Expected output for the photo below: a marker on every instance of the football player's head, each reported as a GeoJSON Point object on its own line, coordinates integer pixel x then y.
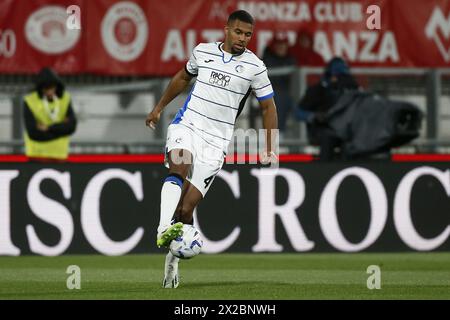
{"type": "Point", "coordinates": [238, 31]}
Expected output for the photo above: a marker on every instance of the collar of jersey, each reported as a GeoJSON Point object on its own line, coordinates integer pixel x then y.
{"type": "Point", "coordinates": [232, 55]}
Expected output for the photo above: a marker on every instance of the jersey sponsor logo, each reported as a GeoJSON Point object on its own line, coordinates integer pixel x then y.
{"type": "Point", "coordinates": [125, 31]}
{"type": "Point", "coordinates": [46, 30]}
{"type": "Point", "coordinates": [208, 61]}
{"type": "Point", "coordinates": [219, 79]}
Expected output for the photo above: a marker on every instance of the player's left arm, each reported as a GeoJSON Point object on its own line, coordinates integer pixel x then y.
{"type": "Point", "coordinates": [263, 90]}
{"type": "Point", "coordinates": [270, 123]}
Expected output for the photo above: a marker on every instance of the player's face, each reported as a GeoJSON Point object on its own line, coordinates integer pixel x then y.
{"type": "Point", "coordinates": [237, 36]}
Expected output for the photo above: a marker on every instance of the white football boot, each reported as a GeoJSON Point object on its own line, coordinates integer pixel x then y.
{"type": "Point", "coordinates": [171, 279]}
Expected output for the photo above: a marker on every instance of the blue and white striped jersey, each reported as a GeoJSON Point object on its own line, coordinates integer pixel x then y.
{"type": "Point", "coordinates": [224, 82]}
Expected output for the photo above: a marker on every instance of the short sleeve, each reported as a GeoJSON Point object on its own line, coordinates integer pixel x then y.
{"type": "Point", "coordinates": [261, 85]}
{"type": "Point", "coordinates": [191, 65]}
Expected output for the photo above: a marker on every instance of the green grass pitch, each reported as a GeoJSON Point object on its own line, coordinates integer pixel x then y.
{"type": "Point", "coordinates": [230, 276]}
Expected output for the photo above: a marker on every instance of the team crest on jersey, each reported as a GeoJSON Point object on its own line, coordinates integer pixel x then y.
{"type": "Point", "coordinates": [239, 68]}
{"type": "Point", "coordinates": [219, 79]}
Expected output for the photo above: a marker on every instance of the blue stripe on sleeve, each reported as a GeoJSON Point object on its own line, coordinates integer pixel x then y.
{"type": "Point", "coordinates": [270, 95]}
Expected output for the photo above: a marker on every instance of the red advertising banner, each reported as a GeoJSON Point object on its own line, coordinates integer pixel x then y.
{"type": "Point", "coordinates": [34, 34]}
{"type": "Point", "coordinates": [150, 37]}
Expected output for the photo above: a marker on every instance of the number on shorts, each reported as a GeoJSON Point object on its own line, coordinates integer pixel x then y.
{"type": "Point", "coordinates": [208, 180]}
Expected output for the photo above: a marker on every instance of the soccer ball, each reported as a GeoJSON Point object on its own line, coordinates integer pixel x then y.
{"type": "Point", "coordinates": [188, 245]}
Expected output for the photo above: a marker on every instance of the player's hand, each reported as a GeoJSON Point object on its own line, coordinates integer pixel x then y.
{"type": "Point", "coordinates": [269, 157]}
{"type": "Point", "coordinates": [152, 119]}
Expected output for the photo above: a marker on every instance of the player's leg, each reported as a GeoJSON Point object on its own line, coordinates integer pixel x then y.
{"type": "Point", "coordinates": [179, 161]}
{"type": "Point", "coordinates": [189, 200]}
{"type": "Point", "coordinates": [174, 186]}
{"type": "Point", "coordinates": [179, 157]}
{"type": "Point", "coordinates": [171, 277]}
{"type": "Point", "coordinates": [195, 189]}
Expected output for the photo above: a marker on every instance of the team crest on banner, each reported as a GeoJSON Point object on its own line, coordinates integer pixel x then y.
{"type": "Point", "coordinates": [124, 31]}
{"type": "Point", "coordinates": [46, 30]}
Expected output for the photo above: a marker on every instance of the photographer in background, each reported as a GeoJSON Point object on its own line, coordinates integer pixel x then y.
{"type": "Point", "coordinates": [318, 99]}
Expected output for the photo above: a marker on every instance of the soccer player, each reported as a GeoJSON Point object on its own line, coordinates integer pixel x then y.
{"type": "Point", "coordinates": [198, 137]}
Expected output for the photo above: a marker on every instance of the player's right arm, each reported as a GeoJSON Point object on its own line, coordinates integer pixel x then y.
{"type": "Point", "coordinates": [177, 85]}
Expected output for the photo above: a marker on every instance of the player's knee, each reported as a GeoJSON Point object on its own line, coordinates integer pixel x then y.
{"type": "Point", "coordinates": [180, 171]}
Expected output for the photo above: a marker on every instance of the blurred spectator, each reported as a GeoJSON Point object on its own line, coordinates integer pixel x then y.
{"type": "Point", "coordinates": [303, 50]}
{"type": "Point", "coordinates": [318, 99]}
{"type": "Point", "coordinates": [276, 55]}
{"type": "Point", "coordinates": [49, 119]}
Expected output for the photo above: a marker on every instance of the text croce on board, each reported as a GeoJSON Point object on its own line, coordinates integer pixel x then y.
{"type": "Point", "coordinates": [288, 213]}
